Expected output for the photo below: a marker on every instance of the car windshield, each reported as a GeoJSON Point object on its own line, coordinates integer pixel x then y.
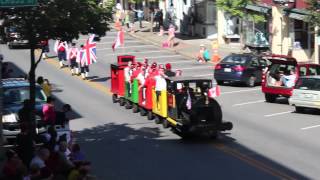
{"type": "Point", "coordinates": [236, 59]}
{"type": "Point", "coordinates": [281, 68]}
{"type": "Point", "coordinates": [308, 84]}
{"type": "Point", "coordinates": [18, 95]}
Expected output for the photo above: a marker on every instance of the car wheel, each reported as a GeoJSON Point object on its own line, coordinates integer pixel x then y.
{"type": "Point", "coordinates": [299, 109]}
{"type": "Point", "coordinates": [270, 98]}
{"type": "Point", "coordinates": [219, 82]}
{"type": "Point", "coordinates": [251, 81]}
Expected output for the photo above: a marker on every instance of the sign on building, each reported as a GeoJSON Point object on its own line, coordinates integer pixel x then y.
{"type": "Point", "coordinates": [17, 3]}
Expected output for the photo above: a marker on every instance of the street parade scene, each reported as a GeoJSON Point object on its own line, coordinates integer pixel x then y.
{"type": "Point", "coordinates": [159, 89]}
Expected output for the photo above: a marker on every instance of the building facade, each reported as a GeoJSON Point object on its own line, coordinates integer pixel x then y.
{"type": "Point", "coordinates": [285, 30]}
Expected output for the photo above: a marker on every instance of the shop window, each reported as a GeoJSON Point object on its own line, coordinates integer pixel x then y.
{"type": "Point", "coordinates": [301, 34]}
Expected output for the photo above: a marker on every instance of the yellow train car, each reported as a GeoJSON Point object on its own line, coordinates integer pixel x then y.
{"type": "Point", "coordinates": [159, 105]}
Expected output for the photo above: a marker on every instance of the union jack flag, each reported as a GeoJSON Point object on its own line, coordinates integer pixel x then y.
{"type": "Point", "coordinates": [89, 54]}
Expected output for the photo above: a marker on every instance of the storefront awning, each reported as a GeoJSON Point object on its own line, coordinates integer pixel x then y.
{"type": "Point", "coordinates": [297, 14]}
{"type": "Point", "coordinates": [262, 9]}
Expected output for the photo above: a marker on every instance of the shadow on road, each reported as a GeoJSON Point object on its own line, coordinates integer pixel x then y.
{"type": "Point", "coordinates": [99, 79]}
{"type": "Point", "coordinates": [121, 151]}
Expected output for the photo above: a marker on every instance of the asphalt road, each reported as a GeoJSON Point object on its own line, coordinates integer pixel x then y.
{"type": "Point", "coordinates": [269, 141]}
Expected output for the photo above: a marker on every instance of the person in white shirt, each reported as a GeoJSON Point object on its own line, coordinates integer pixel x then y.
{"type": "Point", "coordinates": [161, 84]}
{"type": "Point", "coordinates": [142, 78]}
{"type": "Point", "coordinates": [127, 76]}
{"type": "Point", "coordinates": [289, 80]}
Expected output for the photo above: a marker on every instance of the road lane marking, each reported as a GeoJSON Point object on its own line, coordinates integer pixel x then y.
{"type": "Point", "coordinates": [310, 127]}
{"type": "Point", "coordinates": [277, 114]}
{"type": "Point", "coordinates": [147, 45]}
{"type": "Point", "coordinates": [240, 91]}
{"type": "Point", "coordinates": [197, 67]}
{"type": "Point", "coordinates": [129, 41]}
{"type": "Point", "coordinates": [132, 52]}
{"type": "Point", "coordinates": [250, 102]}
{"type": "Point", "coordinates": [156, 57]}
{"type": "Point", "coordinates": [253, 162]}
{"type": "Point", "coordinates": [95, 85]}
{"type": "Point", "coordinates": [203, 75]}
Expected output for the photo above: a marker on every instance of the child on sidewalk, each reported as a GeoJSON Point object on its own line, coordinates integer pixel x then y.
{"type": "Point", "coordinates": [203, 55]}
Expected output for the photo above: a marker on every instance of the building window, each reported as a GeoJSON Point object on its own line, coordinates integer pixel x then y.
{"type": "Point", "coordinates": [301, 34]}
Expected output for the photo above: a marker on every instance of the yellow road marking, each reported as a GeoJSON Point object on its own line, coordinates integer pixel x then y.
{"type": "Point", "coordinates": [95, 85]}
{"type": "Point", "coordinates": [227, 150]}
{"type": "Point", "coordinates": [257, 164]}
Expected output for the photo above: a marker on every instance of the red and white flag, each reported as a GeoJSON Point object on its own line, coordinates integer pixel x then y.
{"type": "Point", "coordinates": [214, 91]}
{"type": "Point", "coordinates": [189, 103]}
{"type": "Point", "coordinates": [88, 55]}
{"type": "Point", "coordinates": [119, 41]}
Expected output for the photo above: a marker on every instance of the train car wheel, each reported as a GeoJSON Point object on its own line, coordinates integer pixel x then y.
{"type": "Point", "coordinates": [143, 112]}
{"type": "Point", "coordinates": [150, 115]}
{"type": "Point", "coordinates": [128, 104]}
{"type": "Point", "coordinates": [114, 98]}
{"type": "Point", "coordinates": [165, 124]}
{"type": "Point", "coordinates": [158, 120]}
{"type": "Point", "coordinates": [122, 102]}
{"type": "Point", "coordinates": [135, 108]}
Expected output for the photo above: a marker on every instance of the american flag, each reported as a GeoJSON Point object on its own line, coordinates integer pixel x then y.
{"type": "Point", "coordinates": [89, 55]}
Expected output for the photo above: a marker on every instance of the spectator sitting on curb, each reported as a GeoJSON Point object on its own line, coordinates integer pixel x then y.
{"type": "Point", "coordinates": [13, 167]}
{"type": "Point", "coordinates": [203, 55]}
{"type": "Point", "coordinates": [76, 154]}
{"type": "Point", "coordinates": [39, 160]}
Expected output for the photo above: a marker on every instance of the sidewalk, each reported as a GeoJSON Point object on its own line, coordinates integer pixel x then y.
{"type": "Point", "coordinates": [186, 45]}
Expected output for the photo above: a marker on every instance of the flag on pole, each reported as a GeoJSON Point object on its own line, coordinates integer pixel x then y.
{"type": "Point", "coordinates": [214, 91]}
{"type": "Point", "coordinates": [89, 53]}
{"type": "Point", "coordinates": [119, 41]}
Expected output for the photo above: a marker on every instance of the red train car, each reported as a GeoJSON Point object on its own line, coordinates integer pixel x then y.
{"type": "Point", "coordinates": [118, 79]}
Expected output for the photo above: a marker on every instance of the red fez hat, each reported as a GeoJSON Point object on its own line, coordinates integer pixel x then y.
{"type": "Point", "coordinates": [168, 66]}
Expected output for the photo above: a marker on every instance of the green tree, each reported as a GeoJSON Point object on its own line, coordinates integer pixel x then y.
{"type": "Point", "coordinates": [58, 19]}
{"type": "Point", "coordinates": [314, 12]}
{"type": "Point", "coordinates": [237, 8]}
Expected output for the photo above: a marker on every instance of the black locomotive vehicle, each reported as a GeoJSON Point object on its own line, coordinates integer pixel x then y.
{"type": "Point", "coordinates": [190, 109]}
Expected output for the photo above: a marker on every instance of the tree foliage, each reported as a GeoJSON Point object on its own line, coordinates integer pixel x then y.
{"type": "Point", "coordinates": [237, 8]}
{"type": "Point", "coordinates": [56, 19]}
{"type": "Point", "coordinates": [314, 12]}
{"type": "Point", "coordinates": [61, 19]}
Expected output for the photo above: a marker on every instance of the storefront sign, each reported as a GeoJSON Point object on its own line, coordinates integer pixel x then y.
{"type": "Point", "coordinates": [17, 3]}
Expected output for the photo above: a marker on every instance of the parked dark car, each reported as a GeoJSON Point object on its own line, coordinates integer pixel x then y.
{"type": "Point", "coordinates": [15, 91]}
{"type": "Point", "coordinates": [243, 68]}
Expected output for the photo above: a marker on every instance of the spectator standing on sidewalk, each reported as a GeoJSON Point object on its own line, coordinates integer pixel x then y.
{"type": "Point", "coordinates": [48, 111]}
{"type": "Point", "coordinates": [140, 16]}
{"type": "Point", "coordinates": [131, 14]}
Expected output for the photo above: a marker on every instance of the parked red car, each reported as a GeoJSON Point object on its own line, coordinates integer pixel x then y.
{"type": "Point", "coordinates": [282, 70]}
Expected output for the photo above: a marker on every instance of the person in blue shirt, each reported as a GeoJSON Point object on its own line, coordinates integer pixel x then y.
{"type": "Point", "coordinates": [140, 16]}
{"type": "Point", "coordinates": [203, 55]}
